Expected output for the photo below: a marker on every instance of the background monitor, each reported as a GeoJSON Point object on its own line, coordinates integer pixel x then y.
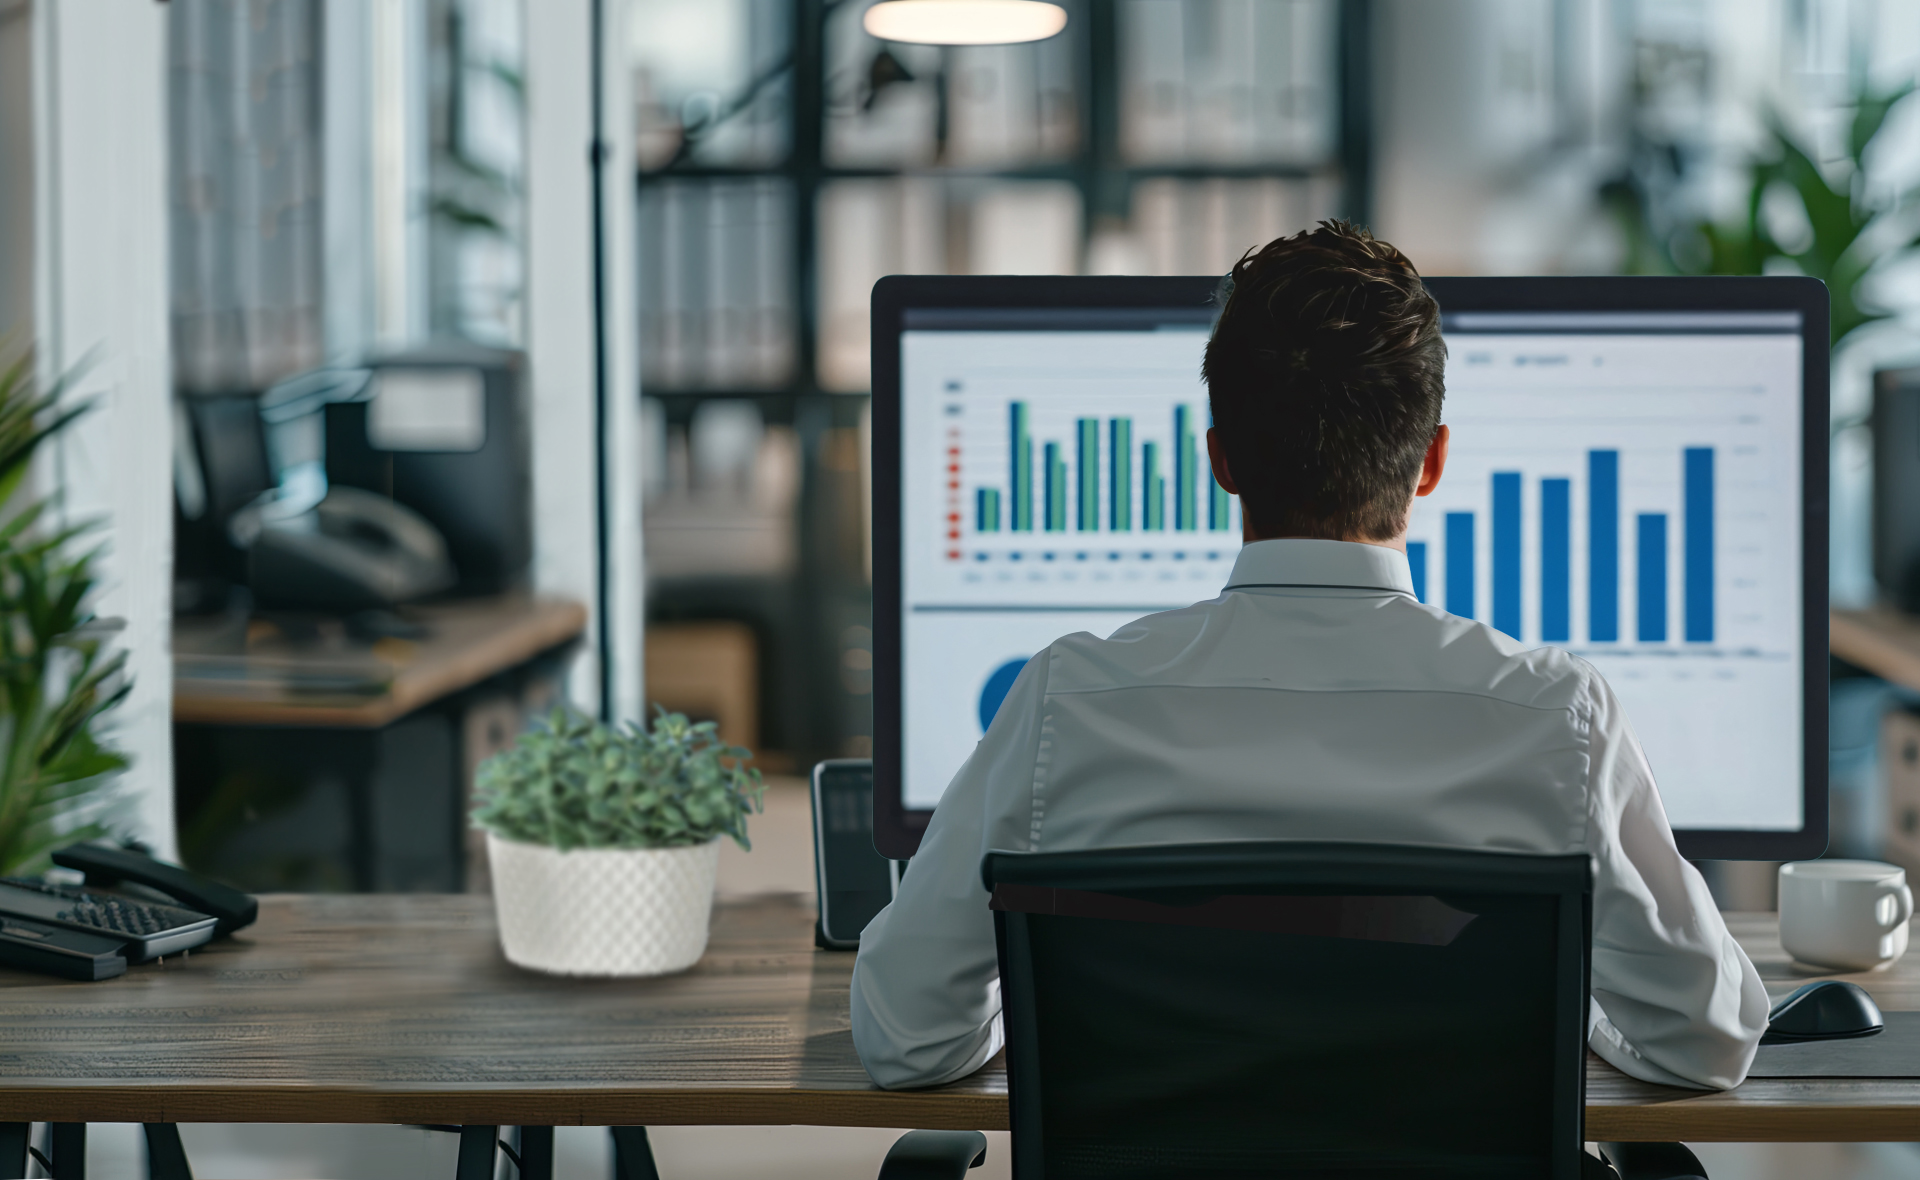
{"type": "Point", "coordinates": [1638, 474]}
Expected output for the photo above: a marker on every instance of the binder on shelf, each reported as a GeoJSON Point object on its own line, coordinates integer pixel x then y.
{"type": "Point", "coordinates": [716, 284]}
{"type": "Point", "coordinates": [1228, 81]}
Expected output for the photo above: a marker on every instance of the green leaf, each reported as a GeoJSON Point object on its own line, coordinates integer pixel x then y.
{"type": "Point", "coordinates": [57, 675]}
{"type": "Point", "coordinates": [1869, 115]}
{"type": "Point", "coordinates": [571, 782]}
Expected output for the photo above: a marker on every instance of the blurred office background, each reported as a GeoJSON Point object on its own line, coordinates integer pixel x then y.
{"type": "Point", "coordinates": [361, 212]}
{"type": "Point", "coordinates": [349, 185]}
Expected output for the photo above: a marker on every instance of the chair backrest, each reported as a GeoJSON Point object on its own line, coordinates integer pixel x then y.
{"type": "Point", "coordinates": [1293, 1009]}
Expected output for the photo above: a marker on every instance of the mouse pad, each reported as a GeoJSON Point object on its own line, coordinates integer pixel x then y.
{"type": "Point", "coordinates": [1892, 1053]}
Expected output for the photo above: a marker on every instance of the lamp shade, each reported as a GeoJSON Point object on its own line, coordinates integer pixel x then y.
{"type": "Point", "coordinates": [964, 22]}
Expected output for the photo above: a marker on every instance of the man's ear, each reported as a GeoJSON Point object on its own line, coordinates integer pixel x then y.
{"type": "Point", "coordinates": [1434, 464]}
{"type": "Point", "coordinates": [1217, 455]}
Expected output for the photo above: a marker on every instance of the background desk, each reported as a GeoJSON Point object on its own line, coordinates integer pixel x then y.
{"type": "Point", "coordinates": [318, 761]}
{"type": "Point", "coordinates": [1879, 639]}
{"type": "Point", "coordinates": [399, 1009]}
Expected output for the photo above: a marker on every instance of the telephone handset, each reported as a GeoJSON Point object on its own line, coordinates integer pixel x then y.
{"type": "Point", "coordinates": [107, 867]}
{"type": "Point", "coordinates": [131, 909]}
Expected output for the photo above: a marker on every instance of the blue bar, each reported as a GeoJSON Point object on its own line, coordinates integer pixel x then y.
{"type": "Point", "coordinates": [1556, 560]}
{"type": "Point", "coordinates": [1417, 562]}
{"type": "Point", "coordinates": [1460, 564]}
{"type": "Point", "coordinates": [1652, 595]}
{"type": "Point", "coordinates": [1603, 546]}
{"type": "Point", "coordinates": [1506, 552]}
{"type": "Point", "coordinates": [1699, 542]}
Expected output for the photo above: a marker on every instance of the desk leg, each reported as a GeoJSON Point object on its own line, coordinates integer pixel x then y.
{"type": "Point", "coordinates": [535, 1145]}
{"type": "Point", "coordinates": [13, 1149]}
{"type": "Point", "coordinates": [69, 1143]}
{"type": "Point", "coordinates": [166, 1155]}
{"type": "Point", "coordinates": [632, 1154]}
{"type": "Point", "coordinates": [476, 1153]}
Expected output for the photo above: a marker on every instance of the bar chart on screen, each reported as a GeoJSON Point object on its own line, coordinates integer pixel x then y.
{"type": "Point", "coordinates": [1082, 483]}
{"type": "Point", "coordinates": [1498, 537]}
{"type": "Point", "coordinates": [1611, 518]}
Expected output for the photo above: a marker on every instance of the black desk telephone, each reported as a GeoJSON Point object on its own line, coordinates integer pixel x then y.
{"type": "Point", "coordinates": [131, 909]}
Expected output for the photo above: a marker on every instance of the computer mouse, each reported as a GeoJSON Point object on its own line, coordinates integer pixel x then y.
{"type": "Point", "coordinates": [1825, 1011]}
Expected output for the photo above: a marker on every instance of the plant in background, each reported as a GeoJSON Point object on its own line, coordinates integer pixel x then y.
{"type": "Point", "coordinates": [1821, 221]}
{"type": "Point", "coordinates": [572, 782]}
{"type": "Point", "coordinates": [57, 674]}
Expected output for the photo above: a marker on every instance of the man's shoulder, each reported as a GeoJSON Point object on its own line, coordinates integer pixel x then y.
{"type": "Point", "coordinates": [1398, 645]}
{"type": "Point", "coordinates": [1473, 656]}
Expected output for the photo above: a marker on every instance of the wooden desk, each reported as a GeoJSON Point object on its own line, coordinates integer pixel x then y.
{"type": "Point", "coordinates": [399, 1009]}
{"type": "Point", "coordinates": [1769, 1110]}
{"type": "Point", "coordinates": [225, 676]}
{"type": "Point", "coordinates": [1880, 639]}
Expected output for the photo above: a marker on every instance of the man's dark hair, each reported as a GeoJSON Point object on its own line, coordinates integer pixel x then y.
{"type": "Point", "coordinates": [1326, 372]}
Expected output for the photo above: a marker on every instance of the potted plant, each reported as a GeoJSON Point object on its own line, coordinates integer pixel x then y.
{"type": "Point", "coordinates": [604, 841]}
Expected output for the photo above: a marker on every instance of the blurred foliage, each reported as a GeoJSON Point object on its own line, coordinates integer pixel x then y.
{"type": "Point", "coordinates": [1845, 232]}
{"type": "Point", "coordinates": [572, 782]}
{"type": "Point", "coordinates": [57, 674]}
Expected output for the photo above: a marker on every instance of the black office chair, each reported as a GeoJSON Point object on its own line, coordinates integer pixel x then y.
{"type": "Point", "coordinates": [1297, 1009]}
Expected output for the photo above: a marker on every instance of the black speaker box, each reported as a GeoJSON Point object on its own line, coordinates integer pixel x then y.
{"type": "Point", "coordinates": [478, 496]}
{"type": "Point", "coordinates": [854, 881]}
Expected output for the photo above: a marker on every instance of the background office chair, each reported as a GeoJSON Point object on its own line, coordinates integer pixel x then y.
{"type": "Point", "coordinates": [1295, 1009]}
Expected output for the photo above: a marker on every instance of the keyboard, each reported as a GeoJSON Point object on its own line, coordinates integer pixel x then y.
{"type": "Point", "coordinates": [147, 929]}
{"type": "Point", "coordinates": [52, 950]}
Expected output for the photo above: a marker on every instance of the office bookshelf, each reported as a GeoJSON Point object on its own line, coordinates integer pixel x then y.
{"type": "Point", "coordinates": [1152, 136]}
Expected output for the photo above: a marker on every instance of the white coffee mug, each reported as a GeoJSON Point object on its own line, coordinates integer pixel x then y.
{"type": "Point", "coordinates": [1845, 914]}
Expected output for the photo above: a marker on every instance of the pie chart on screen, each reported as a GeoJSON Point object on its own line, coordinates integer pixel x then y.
{"type": "Point", "coordinates": [996, 688]}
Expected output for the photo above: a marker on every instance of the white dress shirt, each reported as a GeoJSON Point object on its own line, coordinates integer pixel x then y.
{"type": "Point", "coordinates": [1314, 699]}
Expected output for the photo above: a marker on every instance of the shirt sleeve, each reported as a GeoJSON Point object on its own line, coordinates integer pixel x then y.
{"type": "Point", "coordinates": [926, 985]}
{"type": "Point", "coordinates": [1676, 1001]}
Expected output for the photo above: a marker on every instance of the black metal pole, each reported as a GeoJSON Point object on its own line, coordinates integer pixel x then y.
{"type": "Point", "coordinates": [597, 165]}
{"type": "Point", "coordinates": [1105, 182]}
{"type": "Point", "coordinates": [1356, 109]}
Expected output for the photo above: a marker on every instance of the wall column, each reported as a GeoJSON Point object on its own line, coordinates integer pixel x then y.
{"type": "Point", "coordinates": [100, 295]}
{"type": "Point", "coordinates": [581, 376]}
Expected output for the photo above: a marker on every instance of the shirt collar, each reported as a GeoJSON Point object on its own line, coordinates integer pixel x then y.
{"type": "Point", "coordinates": [1300, 562]}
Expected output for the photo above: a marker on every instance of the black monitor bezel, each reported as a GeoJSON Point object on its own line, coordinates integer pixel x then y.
{"type": "Point", "coordinates": [897, 830]}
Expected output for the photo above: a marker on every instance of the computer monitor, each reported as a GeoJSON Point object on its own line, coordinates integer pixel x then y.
{"type": "Point", "coordinates": [1638, 474]}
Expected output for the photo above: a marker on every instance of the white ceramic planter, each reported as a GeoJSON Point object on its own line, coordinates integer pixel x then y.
{"type": "Point", "coordinates": [625, 911]}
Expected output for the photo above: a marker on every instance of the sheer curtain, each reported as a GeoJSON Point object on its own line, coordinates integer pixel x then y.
{"type": "Point", "coordinates": [245, 186]}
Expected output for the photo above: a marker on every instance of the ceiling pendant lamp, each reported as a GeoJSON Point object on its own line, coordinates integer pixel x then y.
{"type": "Point", "coordinates": [964, 22]}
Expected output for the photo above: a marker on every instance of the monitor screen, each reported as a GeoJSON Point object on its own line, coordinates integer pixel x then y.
{"type": "Point", "coordinates": [1628, 484]}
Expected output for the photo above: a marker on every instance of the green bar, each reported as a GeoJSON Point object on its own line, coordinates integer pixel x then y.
{"type": "Point", "coordinates": [1153, 507]}
{"type": "Point", "coordinates": [987, 511]}
{"type": "Point", "coordinates": [1056, 490]}
{"type": "Point", "coordinates": [1185, 508]}
{"type": "Point", "coordinates": [1021, 459]}
{"type": "Point", "coordinates": [1089, 464]}
{"type": "Point", "coordinates": [1120, 475]}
